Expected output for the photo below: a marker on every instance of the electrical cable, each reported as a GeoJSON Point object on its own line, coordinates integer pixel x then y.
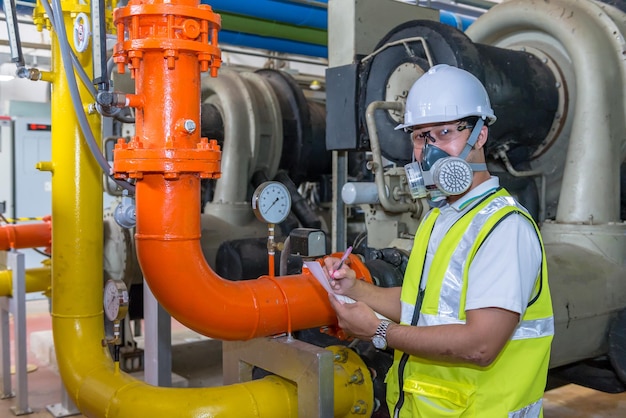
{"type": "Point", "coordinates": [124, 118]}
{"type": "Point", "coordinates": [83, 75]}
{"type": "Point", "coordinates": [56, 16]}
{"type": "Point", "coordinates": [38, 251]}
{"type": "Point", "coordinates": [79, 69]}
{"type": "Point", "coordinates": [362, 236]}
{"type": "Point", "coordinates": [404, 42]}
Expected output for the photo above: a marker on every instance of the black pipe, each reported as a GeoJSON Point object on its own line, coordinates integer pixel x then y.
{"type": "Point", "coordinates": [299, 206]}
{"type": "Point", "coordinates": [524, 98]}
{"type": "Point", "coordinates": [211, 123]}
{"type": "Point", "coordinates": [304, 153]}
{"type": "Point", "coordinates": [522, 89]}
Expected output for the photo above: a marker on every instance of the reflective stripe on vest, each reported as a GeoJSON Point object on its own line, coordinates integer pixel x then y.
{"type": "Point", "coordinates": [526, 354]}
{"type": "Point", "coordinates": [530, 411]}
{"type": "Point", "coordinates": [534, 328]}
{"type": "Point", "coordinates": [452, 286]}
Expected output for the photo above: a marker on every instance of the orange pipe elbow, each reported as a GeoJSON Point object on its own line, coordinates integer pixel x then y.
{"type": "Point", "coordinates": [170, 255]}
{"type": "Point", "coordinates": [166, 45]}
{"type": "Point", "coordinates": [26, 235]}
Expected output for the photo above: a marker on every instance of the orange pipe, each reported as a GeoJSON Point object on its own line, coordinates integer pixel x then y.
{"type": "Point", "coordinates": [169, 252]}
{"type": "Point", "coordinates": [271, 264]}
{"type": "Point", "coordinates": [26, 235]}
{"type": "Point", "coordinates": [166, 45]}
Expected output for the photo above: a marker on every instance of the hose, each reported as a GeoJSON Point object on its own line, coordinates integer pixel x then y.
{"type": "Point", "coordinates": [299, 205]}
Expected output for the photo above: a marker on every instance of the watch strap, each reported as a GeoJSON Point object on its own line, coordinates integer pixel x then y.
{"type": "Point", "coordinates": [381, 330]}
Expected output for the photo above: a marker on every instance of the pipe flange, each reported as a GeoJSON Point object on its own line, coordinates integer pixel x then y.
{"type": "Point", "coordinates": [133, 161]}
{"type": "Point", "coordinates": [353, 380]}
{"type": "Point", "coordinates": [180, 27]}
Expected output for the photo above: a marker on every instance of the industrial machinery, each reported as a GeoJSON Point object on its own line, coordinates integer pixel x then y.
{"type": "Point", "coordinates": [543, 146]}
{"type": "Point", "coordinates": [202, 145]}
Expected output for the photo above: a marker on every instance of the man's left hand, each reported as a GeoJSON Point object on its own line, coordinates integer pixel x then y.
{"type": "Point", "coordinates": [356, 319]}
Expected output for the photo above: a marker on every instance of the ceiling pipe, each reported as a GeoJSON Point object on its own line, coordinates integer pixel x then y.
{"type": "Point", "coordinates": [272, 10]}
{"type": "Point", "coordinates": [455, 20]}
{"type": "Point", "coordinates": [287, 27]}
{"type": "Point", "coordinates": [285, 46]}
{"type": "Point", "coordinates": [273, 29]}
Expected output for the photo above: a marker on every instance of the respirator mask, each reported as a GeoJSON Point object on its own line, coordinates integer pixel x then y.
{"type": "Point", "coordinates": [439, 174]}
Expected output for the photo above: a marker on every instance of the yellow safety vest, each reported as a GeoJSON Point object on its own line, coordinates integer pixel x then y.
{"type": "Point", "coordinates": [513, 385]}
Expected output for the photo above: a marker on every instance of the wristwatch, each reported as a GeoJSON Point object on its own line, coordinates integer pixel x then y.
{"type": "Point", "coordinates": [380, 336]}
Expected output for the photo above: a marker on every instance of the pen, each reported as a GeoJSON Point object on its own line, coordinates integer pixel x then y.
{"type": "Point", "coordinates": [344, 257]}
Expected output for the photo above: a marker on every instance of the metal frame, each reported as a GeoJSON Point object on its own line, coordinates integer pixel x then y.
{"type": "Point", "coordinates": [309, 366]}
{"type": "Point", "coordinates": [15, 305]}
{"type": "Point", "coordinates": [66, 408]}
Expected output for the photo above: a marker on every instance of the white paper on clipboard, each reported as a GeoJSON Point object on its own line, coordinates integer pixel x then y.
{"type": "Point", "coordinates": [316, 269]}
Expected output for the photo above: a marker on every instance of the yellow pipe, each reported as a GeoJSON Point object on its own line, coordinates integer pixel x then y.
{"type": "Point", "coordinates": [93, 381]}
{"type": "Point", "coordinates": [37, 280]}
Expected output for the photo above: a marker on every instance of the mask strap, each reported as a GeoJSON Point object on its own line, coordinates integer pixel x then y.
{"type": "Point", "coordinates": [478, 166]}
{"type": "Point", "coordinates": [470, 144]}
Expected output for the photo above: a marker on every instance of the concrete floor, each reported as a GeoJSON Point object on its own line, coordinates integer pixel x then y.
{"type": "Point", "coordinates": [45, 388]}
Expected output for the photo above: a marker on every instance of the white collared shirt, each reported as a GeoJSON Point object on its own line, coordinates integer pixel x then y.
{"type": "Point", "coordinates": [504, 269]}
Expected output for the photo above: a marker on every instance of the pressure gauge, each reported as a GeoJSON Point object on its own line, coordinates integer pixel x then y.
{"type": "Point", "coordinates": [271, 202]}
{"type": "Point", "coordinates": [115, 300]}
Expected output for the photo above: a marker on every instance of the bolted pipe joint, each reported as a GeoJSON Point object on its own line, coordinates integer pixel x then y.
{"type": "Point", "coordinates": [353, 383]}
{"type": "Point", "coordinates": [111, 99]}
{"type": "Point", "coordinates": [187, 126]}
{"type": "Point", "coordinates": [110, 103]}
{"type": "Point", "coordinates": [30, 73]}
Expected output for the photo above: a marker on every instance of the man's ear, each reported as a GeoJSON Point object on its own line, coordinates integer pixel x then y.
{"type": "Point", "coordinates": [482, 138]}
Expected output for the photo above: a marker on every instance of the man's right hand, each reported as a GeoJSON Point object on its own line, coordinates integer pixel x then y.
{"type": "Point", "coordinates": [342, 281]}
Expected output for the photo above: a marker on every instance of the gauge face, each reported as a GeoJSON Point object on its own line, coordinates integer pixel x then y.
{"type": "Point", "coordinates": [115, 300]}
{"type": "Point", "coordinates": [271, 202]}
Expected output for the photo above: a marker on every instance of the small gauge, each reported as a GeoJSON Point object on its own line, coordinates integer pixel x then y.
{"type": "Point", "coordinates": [271, 202]}
{"type": "Point", "coordinates": [115, 300]}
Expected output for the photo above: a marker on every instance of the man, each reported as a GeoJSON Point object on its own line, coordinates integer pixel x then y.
{"type": "Point", "coordinates": [472, 323]}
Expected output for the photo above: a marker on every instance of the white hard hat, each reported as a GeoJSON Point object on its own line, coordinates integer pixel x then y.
{"type": "Point", "coordinates": [445, 94]}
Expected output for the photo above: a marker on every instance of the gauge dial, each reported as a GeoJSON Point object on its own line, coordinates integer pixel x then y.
{"type": "Point", "coordinates": [115, 300]}
{"type": "Point", "coordinates": [271, 202]}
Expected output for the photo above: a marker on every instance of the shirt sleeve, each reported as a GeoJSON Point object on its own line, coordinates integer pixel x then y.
{"type": "Point", "coordinates": [505, 268]}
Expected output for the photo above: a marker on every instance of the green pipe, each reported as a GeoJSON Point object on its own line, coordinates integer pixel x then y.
{"type": "Point", "coordinates": [238, 23]}
{"type": "Point", "coordinates": [482, 4]}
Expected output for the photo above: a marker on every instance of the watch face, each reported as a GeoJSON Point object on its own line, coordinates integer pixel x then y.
{"type": "Point", "coordinates": [379, 342]}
